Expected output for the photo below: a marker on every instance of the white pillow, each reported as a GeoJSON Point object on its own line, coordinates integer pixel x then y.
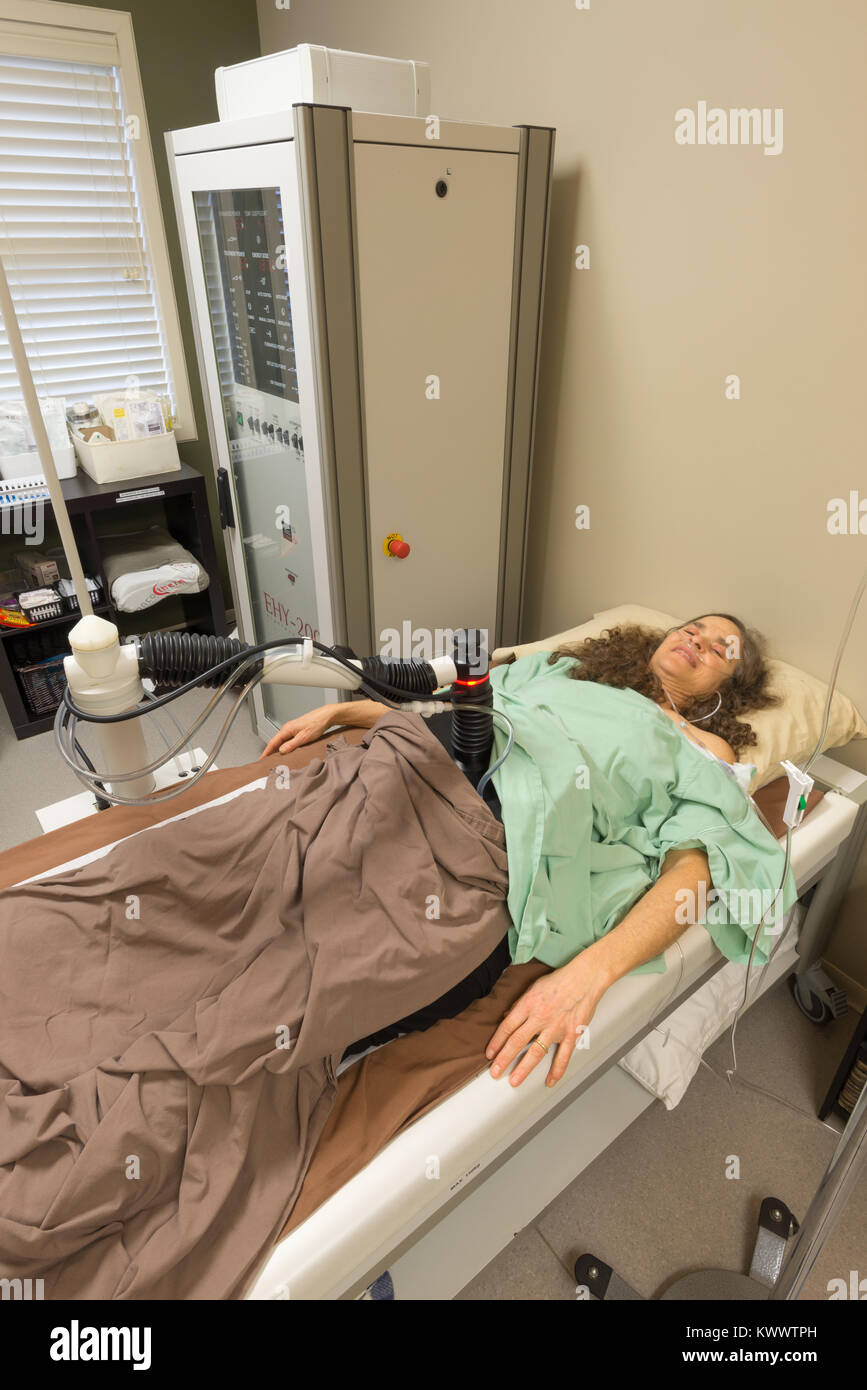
{"type": "Point", "coordinates": [789, 730]}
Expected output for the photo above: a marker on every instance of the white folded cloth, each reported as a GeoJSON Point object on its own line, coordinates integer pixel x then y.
{"type": "Point", "coordinates": [142, 588]}
{"type": "Point", "coordinates": [148, 566]}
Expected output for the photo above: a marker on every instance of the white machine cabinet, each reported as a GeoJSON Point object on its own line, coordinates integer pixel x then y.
{"type": "Point", "coordinates": [367, 295]}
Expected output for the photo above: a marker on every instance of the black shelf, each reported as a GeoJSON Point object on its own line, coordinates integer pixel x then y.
{"type": "Point", "coordinates": [101, 609]}
{"type": "Point", "coordinates": [98, 510]}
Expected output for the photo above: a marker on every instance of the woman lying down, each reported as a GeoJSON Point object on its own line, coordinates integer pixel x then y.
{"type": "Point", "coordinates": [624, 817]}
{"type": "Point", "coordinates": [172, 1011]}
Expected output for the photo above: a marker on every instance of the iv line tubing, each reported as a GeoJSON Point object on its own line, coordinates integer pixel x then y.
{"type": "Point", "coordinates": [820, 743]}
{"type": "Point", "coordinates": [847, 628]}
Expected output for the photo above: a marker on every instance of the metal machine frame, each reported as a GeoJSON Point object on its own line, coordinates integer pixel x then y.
{"type": "Point", "coordinates": [322, 247]}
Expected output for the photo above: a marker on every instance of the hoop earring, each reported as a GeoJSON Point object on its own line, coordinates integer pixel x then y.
{"type": "Point", "coordinates": [705, 717]}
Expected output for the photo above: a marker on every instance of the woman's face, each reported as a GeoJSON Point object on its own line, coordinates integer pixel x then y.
{"type": "Point", "coordinates": [697, 659]}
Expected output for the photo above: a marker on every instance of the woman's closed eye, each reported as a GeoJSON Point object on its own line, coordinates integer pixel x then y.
{"type": "Point", "coordinates": [717, 648]}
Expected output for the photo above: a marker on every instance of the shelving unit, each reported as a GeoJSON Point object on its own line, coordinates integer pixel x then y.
{"type": "Point", "coordinates": [98, 510]}
{"type": "Point", "coordinates": [832, 1101]}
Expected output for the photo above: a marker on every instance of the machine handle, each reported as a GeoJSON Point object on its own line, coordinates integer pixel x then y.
{"type": "Point", "coordinates": [224, 498]}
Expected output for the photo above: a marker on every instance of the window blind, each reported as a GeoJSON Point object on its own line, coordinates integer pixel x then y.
{"type": "Point", "coordinates": [71, 233]}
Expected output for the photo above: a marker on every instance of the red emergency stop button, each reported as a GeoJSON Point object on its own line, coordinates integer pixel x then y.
{"type": "Point", "coordinates": [395, 546]}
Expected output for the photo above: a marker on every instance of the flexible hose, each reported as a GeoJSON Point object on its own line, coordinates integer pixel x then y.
{"type": "Point", "coordinates": [172, 658]}
{"type": "Point", "coordinates": [373, 686]}
{"type": "Point", "coordinates": [416, 677]}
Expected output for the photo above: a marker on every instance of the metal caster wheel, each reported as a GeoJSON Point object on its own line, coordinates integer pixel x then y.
{"type": "Point", "coordinates": [816, 995]}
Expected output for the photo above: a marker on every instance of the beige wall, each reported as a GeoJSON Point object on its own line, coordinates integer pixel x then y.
{"type": "Point", "coordinates": [704, 261]}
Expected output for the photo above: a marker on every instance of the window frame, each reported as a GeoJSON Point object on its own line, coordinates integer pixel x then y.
{"type": "Point", "coordinates": [68, 27]}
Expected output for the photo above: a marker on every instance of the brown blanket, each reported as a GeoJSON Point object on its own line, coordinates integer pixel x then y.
{"type": "Point", "coordinates": [170, 1015]}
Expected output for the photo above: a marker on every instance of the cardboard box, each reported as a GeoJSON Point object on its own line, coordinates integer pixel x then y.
{"type": "Point", "coordinates": [37, 569]}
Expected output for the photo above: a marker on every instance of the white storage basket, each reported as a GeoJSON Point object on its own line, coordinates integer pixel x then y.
{"type": "Point", "coordinates": [29, 465]}
{"type": "Point", "coordinates": [114, 462]}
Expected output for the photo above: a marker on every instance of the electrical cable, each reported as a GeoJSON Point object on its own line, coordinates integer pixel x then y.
{"type": "Point", "coordinates": [488, 713]}
{"type": "Point", "coordinates": [67, 715]}
{"type": "Point", "coordinates": [102, 802]}
{"type": "Point", "coordinates": [66, 723]}
{"type": "Point", "coordinates": [786, 866]}
{"type": "Point", "coordinates": [236, 664]}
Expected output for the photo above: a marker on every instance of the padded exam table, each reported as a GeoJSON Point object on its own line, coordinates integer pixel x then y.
{"type": "Point", "coordinates": [441, 1198]}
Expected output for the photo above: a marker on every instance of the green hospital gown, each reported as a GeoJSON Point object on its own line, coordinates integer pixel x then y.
{"type": "Point", "coordinates": [599, 786]}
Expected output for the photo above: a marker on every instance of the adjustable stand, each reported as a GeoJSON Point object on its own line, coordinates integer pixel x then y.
{"type": "Point", "coordinates": [776, 1225]}
{"type": "Point", "coordinates": [777, 1271]}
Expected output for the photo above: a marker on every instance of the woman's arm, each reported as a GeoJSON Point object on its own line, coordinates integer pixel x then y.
{"type": "Point", "coordinates": [558, 1007]}
{"type": "Point", "coordinates": [307, 728]}
{"type": "Point", "coordinates": [357, 714]}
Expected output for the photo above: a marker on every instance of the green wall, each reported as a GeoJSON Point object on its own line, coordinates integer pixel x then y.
{"type": "Point", "coordinates": [179, 44]}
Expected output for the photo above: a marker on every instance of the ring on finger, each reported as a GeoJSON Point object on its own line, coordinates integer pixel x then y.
{"type": "Point", "coordinates": [541, 1046]}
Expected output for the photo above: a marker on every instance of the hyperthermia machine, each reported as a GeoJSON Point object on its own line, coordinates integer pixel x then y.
{"type": "Point", "coordinates": [366, 290]}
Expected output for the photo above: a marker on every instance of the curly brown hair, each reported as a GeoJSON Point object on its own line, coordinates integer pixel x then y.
{"type": "Point", "coordinates": [620, 657]}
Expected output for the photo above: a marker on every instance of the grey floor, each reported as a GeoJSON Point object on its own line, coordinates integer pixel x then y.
{"type": "Point", "coordinates": [657, 1203]}
{"type": "Point", "coordinates": [33, 775]}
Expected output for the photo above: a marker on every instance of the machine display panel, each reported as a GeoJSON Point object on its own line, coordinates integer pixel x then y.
{"type": "Point", "coordinates": [242, 241]}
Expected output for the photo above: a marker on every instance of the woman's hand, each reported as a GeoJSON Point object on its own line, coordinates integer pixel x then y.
{"type": "Point", "coordinates": [556, 1010]}
{"type": "Point", "coordinates": [307, 728]}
